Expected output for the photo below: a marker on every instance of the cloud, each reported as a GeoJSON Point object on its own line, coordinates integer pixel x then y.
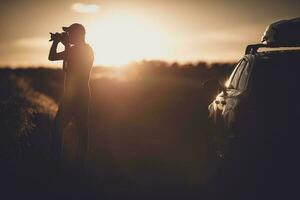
{"type": "Point", "coordinates": [34, 42]}
{"type": "Point", "coordinates": [84, 8]}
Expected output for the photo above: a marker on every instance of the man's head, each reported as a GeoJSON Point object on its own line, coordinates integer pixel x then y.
{"type": "Point", "coordinates": [76, 33]}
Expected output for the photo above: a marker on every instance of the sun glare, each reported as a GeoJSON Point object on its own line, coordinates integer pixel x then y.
{"type": "Point", "coordinates": [120, 39]}
{"type": "Point", "coordinates": [227, 83]}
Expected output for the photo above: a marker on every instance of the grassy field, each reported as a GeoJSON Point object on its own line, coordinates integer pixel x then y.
{"type": "Point", "coordinates": [149, 133]}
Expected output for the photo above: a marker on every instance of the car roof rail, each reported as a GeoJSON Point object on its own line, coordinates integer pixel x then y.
{"type": "Point", "coordinates": [252, 48]}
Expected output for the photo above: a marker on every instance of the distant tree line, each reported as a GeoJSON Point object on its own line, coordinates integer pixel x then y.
{"type": "Point", "coordinates": [157, 68]}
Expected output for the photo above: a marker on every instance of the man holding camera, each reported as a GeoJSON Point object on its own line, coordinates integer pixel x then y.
{"type": "Point", "coordinates": [78, 60]}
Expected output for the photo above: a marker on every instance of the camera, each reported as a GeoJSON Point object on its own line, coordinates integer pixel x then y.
{"type": "Point", "coordinates": [61, 37]}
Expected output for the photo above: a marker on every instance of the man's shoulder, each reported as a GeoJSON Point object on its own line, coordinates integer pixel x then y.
{"type": "Point", "coordinates": [90, 51]}
{"type": "Point", "coordinates": [89, 48]}
{"type": "Point", "coordinates": [85, 48]}
{"type": "Point", "coordinates": [88, 45]}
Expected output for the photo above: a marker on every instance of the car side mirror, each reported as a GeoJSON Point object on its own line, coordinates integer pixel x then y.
{"type": "Point", "coordinates": [214, 86]}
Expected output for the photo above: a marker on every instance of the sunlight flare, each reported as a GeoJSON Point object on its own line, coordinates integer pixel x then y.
{"type": "Point", "coordinates": [227, 83]}
{"type": "Point", "coordinates": [119, 39]}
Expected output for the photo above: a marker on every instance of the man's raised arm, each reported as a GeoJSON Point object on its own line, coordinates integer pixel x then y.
{"type": "Point", "coordinates": [53, 55]}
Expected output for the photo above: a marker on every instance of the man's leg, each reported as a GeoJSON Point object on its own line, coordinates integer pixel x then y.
{"type": "Point", "coordinates": [60, 122]}
{"type": "Point", "coordinates": [83, 134]}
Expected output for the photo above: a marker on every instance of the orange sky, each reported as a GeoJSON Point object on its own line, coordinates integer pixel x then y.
{"type": "Point", "coordinates": [121, 31]}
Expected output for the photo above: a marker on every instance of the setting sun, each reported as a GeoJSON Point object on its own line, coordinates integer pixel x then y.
{"type": "Point", "coordinates": [119, 39]}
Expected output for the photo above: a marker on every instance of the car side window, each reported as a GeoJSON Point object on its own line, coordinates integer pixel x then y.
{"type": "Point", "coordinates": [244, 77]}
{"type": "Point", "coordinates": [237, 75]}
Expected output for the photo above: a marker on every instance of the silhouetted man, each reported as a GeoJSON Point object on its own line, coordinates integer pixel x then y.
{"type": "Point", "coordinates": [78, 60]}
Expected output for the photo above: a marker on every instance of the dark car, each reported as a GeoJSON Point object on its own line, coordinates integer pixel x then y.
{"type": "Point", "coordinates": [261, 97]}
{"type": "Point", "coordinates": [258, 106]}
{"type": "Point", "coordinates": [256, 116]}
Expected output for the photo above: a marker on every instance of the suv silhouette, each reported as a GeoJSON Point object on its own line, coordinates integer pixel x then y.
{"type": "Point", "coordinates": [257, 109]}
